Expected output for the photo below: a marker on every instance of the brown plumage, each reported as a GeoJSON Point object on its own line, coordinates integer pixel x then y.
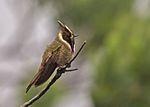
{"type": "Point", "coordinates": [57, 54]}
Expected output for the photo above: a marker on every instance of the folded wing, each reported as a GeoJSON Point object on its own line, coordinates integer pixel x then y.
{"type": "Point", "coordinates": [47, 67]}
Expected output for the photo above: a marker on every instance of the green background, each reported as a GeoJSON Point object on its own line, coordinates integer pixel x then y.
{"type": "Point", "coordinates": [118, 47]}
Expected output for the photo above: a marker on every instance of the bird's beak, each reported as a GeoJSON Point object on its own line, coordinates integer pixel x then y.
{"type": "Point", "coordinates": [76, 35]}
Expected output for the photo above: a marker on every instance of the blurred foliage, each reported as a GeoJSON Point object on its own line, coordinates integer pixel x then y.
{"type": "Point", "coordinates": [122, 77]}
{"type": "Point", "coordinates": [119, 48]}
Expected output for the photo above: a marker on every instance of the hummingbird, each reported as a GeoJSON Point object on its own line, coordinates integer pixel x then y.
{"type": "Point", "coordinates": [57, 54]}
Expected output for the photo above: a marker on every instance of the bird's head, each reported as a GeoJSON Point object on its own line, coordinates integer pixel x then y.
{"type": "Point", "coordinates": [67, 35]}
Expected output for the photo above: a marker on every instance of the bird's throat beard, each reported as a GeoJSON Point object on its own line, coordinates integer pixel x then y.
{"type": "Point", "coordinates": [72, 45]}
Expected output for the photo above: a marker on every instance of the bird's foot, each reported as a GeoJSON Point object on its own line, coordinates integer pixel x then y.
{"type": "Point", "coordinates": [68, 65]}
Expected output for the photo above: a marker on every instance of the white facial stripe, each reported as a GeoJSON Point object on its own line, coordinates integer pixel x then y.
{"type": "Point", "coordinates": [60, 37]}
{"type": "Point", "coordinates": [74, 48]}
{"type": "Point", "coordinates": [68, 29]}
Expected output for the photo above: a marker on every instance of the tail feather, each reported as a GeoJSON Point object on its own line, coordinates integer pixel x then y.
{"type": "Point", "coordinates": [29, 86]}
{"type": "Point", "coordinates": [33, 81]}
{"type": "Point", "coordinates": [42, 76]}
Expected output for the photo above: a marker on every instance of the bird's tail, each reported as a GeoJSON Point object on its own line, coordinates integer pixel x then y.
{"type": "Point", "coordinates": [42, 76]}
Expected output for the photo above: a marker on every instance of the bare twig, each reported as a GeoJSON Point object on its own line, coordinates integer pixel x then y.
{"type": "Point", "coordinates": [60, 71]}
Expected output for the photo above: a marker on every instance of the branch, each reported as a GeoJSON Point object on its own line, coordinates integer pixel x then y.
{"type": "Point", "coordinates": [60, 71]}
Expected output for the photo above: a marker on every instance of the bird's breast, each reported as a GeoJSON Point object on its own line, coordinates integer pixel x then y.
{"type": "Point", "coordinates": [64, 56]}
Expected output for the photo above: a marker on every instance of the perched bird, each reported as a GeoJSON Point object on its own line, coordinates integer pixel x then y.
{"type": "Point", "coordinates": [57, 54]}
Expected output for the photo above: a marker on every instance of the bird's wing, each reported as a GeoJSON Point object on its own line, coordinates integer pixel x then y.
{"type": "Point", "coordinates": [46, 68]}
